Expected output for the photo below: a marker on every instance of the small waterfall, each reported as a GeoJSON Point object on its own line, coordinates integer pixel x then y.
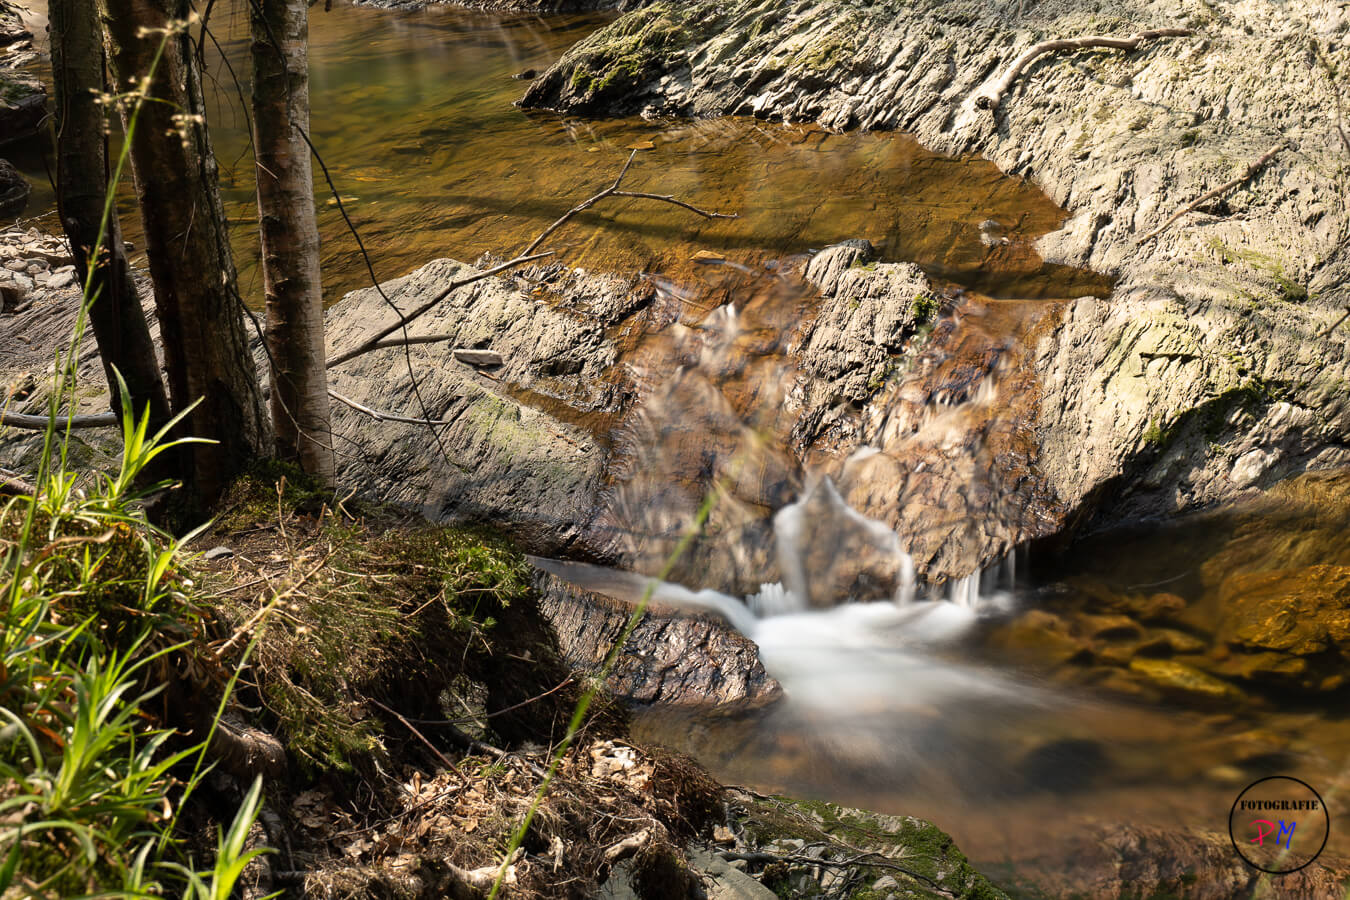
{"type": "Point", "coordinates": [845, 631]}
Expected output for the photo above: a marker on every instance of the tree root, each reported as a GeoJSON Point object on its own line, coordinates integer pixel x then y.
{"type": "Point", "coordinates": [246, 752]}
{"type": "Point", "coordinates": [991, 97]}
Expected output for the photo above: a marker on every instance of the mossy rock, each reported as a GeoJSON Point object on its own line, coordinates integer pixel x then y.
{"type": "Point", "coordinates": [924, 860]}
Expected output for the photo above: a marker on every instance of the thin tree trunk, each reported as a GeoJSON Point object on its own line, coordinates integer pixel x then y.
{"type": "Point", "coordinates": [82, 185]}
{"type": "Point", "coordinates": [196, 297]}
{"type": "Point", "coordinates": [290, 235]}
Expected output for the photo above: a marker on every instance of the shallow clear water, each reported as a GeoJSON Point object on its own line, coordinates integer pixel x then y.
{"type": "Point", "coordinates": [1014, 748]}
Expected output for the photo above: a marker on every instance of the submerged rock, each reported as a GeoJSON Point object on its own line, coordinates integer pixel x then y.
{"type": "Point", "coordinates": [1289, 627]}
{"type": "Point", "coordinates": [1114, 861]}
{"type": "Point", "coordinates": [1186, 682]}
{"type": "Point", "coordinates": [807, 849]}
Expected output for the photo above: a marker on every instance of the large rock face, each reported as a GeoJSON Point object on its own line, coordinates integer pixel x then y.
{"type": "Point", "coordinates": [669, 660]}
{"type": "Point", "coordinates": [1214, 368]}
{"type": "Point", "coordinates": [498, 457]}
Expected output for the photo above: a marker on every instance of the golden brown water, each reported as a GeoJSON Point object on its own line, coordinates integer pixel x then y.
{"type": "Point", "coordinates": [1086, 743]}
{"type": "Point", "coordinates": [413, 114]}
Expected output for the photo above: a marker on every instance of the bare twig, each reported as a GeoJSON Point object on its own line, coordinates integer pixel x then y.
{"type": "Point", "coordinates": [613, 191]}
{"type": "Point", "coordinates": [421, 737]}
{"type": "Point", "coordinates": [384, 416]}
{"type": "Point", "coordinates": [416, 339]}
{"type": "Point", "coordinates": [377, 340]}
{"type": "Point", "coordinates": [1221, 189]}
{"type": "Point", "coordinates": [405, 319]}
{"type": "Point", "coordinates": [1337, 323]}
{"type": "Point", "coordinates": [39, 423]}
{"type": "Point", "coordinates": [991, 97]}
{"type": "Point", "coordinates": [474, 746]}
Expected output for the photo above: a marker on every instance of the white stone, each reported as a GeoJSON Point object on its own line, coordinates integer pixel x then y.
{"type": "Point", "coordinates": [1250, 466]}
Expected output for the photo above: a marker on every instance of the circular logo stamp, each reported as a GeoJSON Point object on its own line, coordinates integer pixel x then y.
{"type": "Point", "coordinates": [1279, 824]}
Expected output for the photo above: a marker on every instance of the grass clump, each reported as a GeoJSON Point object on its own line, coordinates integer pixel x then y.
{"type": "Point", "coordinates": [358, 609]}
{"type": "Point", "coordinates": [97, 620]}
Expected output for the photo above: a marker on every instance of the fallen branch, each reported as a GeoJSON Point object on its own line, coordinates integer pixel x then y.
{"type": "Point", "coordinates": [384, 416]}
{"type": "Point", "coordinates": [11, 483]}
{"type": "Point", "coordinates": [993, 96]}
{"type": "Point", "coordinates": [39, 423]}
{"type": "Point", "coordinates": [474, 746]}
{"type": "Point", "coordinates": [1337, 323]}
{"type": "Point", "coordinates": [1221, 189]}
{"type": "Point", "coordinates": [405, 319]}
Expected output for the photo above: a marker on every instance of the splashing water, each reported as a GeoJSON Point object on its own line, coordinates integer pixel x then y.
{"type": "Point", "coordinates": [843, 632]}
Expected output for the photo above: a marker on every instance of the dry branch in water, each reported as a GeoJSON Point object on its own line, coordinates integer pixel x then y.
{"type": "Point", "coordinates": [378, 341]}
{"type": "Point", "coordinates": [1221, 189]}
{"type": "Point", "coordinates": [613, 191]}
{"type": "Point", "coordinates": [993, 96]}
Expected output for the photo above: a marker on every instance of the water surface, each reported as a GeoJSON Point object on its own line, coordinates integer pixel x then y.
{"type": "Point", "coordinates": [413, 114]}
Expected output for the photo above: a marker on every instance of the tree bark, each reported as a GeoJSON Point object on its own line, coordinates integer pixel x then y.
{"type": "Point", "coordinates": [196, 297]}
{"type": "Point", "coordinates": [82, 175]}
{"type": "Point", "coordinates": [290, 235]}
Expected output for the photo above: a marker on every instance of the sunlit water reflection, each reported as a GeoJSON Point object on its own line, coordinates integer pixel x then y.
{"type": "Point", "coordinates": [413, 113]}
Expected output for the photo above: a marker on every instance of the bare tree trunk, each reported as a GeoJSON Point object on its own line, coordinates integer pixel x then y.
{"type": "Point", "coordinates": [196, 297]}
{"type": "Point", "coordinates": [290, 235]}
{"type": "Point", "coordinates": [82, 185]}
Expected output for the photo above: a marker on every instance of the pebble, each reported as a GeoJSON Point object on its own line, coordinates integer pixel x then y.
{"type": "Point", "coordinates": [61, 279]}
{"type": "Point", "coordinates": [17, 265]}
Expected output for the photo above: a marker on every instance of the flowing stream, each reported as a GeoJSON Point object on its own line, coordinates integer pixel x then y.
{"type": "Point", "coordinates": [1011, 707]}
